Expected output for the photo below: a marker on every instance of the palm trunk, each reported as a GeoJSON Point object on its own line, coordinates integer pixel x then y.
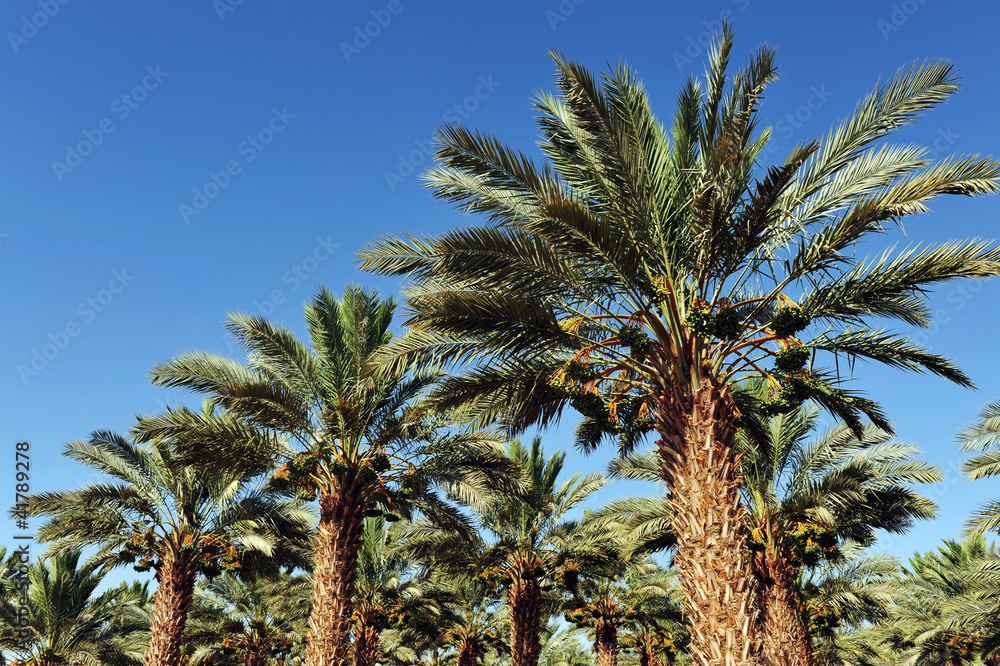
{"type": "Point", "coordinates": [784, 639]}
{"type": "Point", "coordinates": [174, 594]}
{"type": "Point", "coordinates": [257, 646]}
{"type": "Point", "coordinates": [647, 653]}
{"type": "Point", "coordinates": [255, 658]}
{"type": "Point", "coordinates": [525, 600]}
{"type": "Point", "coordinates": [335, 564]}
{"type": "Point", "coordinates": [468, 654]}
{"type": "Point", "coordinates": [366, 645]}
{"type": "Point", "coordinates": [701, 468]}
{"type": "Point", "coordinates": [606, 643]}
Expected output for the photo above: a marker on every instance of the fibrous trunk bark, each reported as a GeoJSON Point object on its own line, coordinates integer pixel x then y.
{"type": "Point", "coordinates": [366, 646]}
{"type": "Point", "coordinates": [335, 564]}
{"type": "Point", "coordinates": [468, 655]}
{"type": "Point", "coordinates": [171, 603]}
{"type": "Point", "coordinates": [525, 599]}
{"type": "Point", "coordinates": [255, 658]}
{"type": "Point", "coordinates": [606, 643]}
{"type": "Point", "coordinates": [783, 635]}
{"type": "Point", "coordinates": [700, 465]}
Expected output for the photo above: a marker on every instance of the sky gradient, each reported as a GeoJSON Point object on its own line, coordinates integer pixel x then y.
{"type": "Point", "coordinates": [162, 164]}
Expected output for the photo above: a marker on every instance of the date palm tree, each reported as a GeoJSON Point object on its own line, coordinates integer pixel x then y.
{"type": "Point", "coordinates": [808, 499]}
{"type": "Point", "coordinates": [640, 270]}
{"type": "Point", "coordinates": [173, 517]}
{"type": "Point", "coordinates": [253, 620]}
{"type": "Point", "coordinates": [359, 442]}
{"type": "Point", "coordinates": [527, 542]}
{"type": "Point", "coordinates": [65, 620]}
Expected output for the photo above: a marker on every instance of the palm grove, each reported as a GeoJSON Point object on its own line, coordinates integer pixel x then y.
{"type": "Point", "coordinates": [358, 497]}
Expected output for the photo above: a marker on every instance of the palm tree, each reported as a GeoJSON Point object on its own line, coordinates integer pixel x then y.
{"type": "Point", "coordinates": [630, 594]}
{"type": "Point", "coordinates": [640, 271]}
{"type": "Point", "coordinates": [66, 621]}
{"type": "Point", "coordinates": [256, 619]}
{"type": "Point", "coordinates": [386, 596]}
{"type": "Point", "coordinates": [362, 442]}
{"type": "Point", "coordinates": [808, 499]}
{"type": "Point", "coordinates": [528, 542]}
{"type": "Point", "coordinates": [173, 516]}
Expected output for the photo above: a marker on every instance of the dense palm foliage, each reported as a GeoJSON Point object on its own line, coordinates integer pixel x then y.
{"type": "Point", "coordinates": [808, 500]}
{"type": "Point", "coordinates": [659, 281]}
{"type": "Point", "coordinates": [639, 271]}
{"type": "Point", "coordinates": [340, 433]}
{"type": "Point", "coordinates": [66, 620]}
{"type": "Point", "coordinates": [162, 513]}
{"type": "Point", "coordinates": [528, 543]}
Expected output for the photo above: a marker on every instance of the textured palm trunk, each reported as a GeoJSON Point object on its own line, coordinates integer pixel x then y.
{"type": "Point", "coordinates": [647, 652]}
{"type": "Point", "coordinates": [468, 654]}
{"type": "Point", "coordinates": [525, 600]}
{"type": "Point", "coordinates": [366, 645]}
{"type": "Point", "coordinates": [783, 635]}
{"type": "Point", "coordinates": [174, 594]}
{"type": "Point", "coordinates": [606, 643]}
{"type": "Point", "coordinates": [701, 468]}
{"type": "Point", "coordinates": [335, 564]}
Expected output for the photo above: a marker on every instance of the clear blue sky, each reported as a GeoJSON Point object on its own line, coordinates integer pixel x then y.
{"type": "Point", "coordinates": [164, 163]}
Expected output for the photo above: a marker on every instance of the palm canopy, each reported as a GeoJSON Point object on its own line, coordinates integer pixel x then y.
{"type": "Point", "coordinates": [319, 407]}
{"type": "Point", "coordinates": [639, 257]}
{"type": "Point", "coordinates": [850, 485]}
{"type": "Point", "coordinates": [159, 508]}
{"type": "Point", "coordinates": [67, 621]}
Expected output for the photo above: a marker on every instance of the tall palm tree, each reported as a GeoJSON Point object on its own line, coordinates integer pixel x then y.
{"type": "Point", "coordinates": [639, 271]}
{"type": "Point", "coordinates": [173, 517]}
{"type": "Point", "coordinates": [67, 622]}
{"type": "Point", "coordinates": [256, 619]}
{"type": "Point", "coordinates": [528, 541]}
{"type": "Point", "coordinates": [360, 442]}
{"type": "Point", "coordinates": [807, 499]}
